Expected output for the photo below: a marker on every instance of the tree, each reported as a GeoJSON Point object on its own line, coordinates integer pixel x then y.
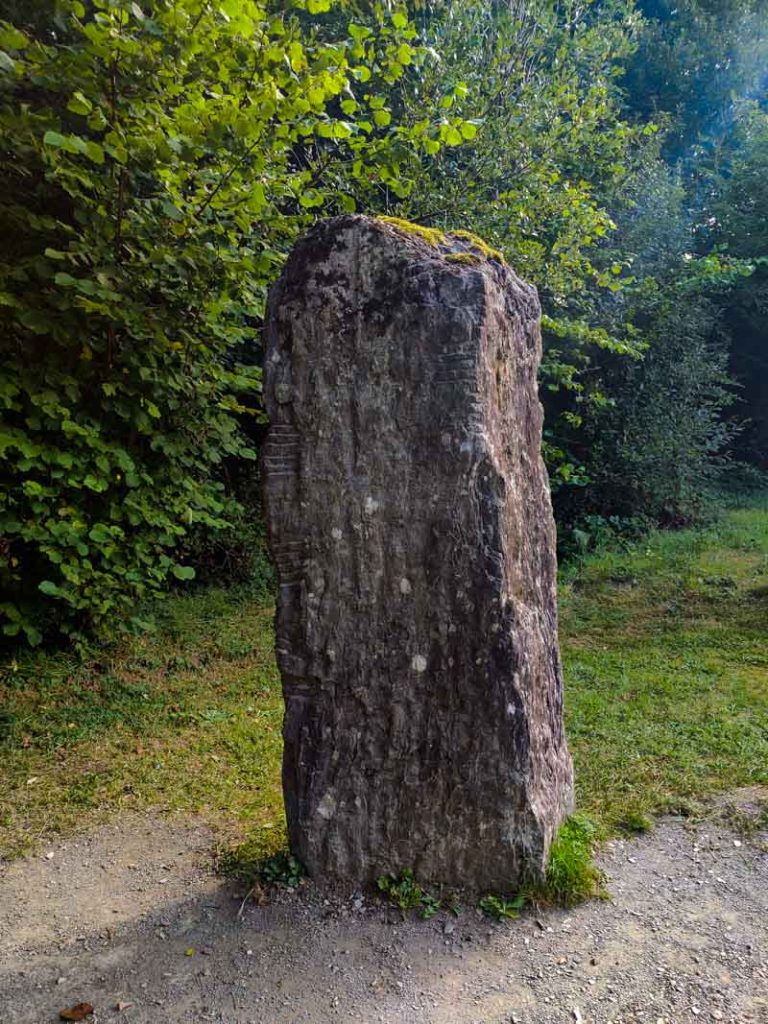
{"type": "Point", "coordinates": [696, 60]}
{"type": "Point", "coordinates": [739, 222]}
{"type": "Point", "coordinates": [542, 149]}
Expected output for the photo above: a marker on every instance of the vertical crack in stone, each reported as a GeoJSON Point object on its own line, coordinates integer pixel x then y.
{"type": "Point", "coordinates": [409, 517]}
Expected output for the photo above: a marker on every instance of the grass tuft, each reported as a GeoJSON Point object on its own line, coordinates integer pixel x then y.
{"type": "Point", "coordinates": [572, 875]}
{"type": "Point", "coordinates": [635, 824]}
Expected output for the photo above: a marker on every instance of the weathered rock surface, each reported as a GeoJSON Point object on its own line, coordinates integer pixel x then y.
{"type": "Point", "coordinates": [410, 520]}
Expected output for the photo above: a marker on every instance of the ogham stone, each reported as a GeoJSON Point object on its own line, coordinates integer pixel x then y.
{"type": "Point", "coordinates": [409, 517]}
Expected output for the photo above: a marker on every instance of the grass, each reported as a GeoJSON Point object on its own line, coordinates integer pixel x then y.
{"type": "Point", "coordinates": [572, 877]}
{"type": "Point", "coordinates": [666, 666]}
{"type": "Point", "coordinates": [186, 719]}
{"type": "Point", "coordinates": [664, 646]}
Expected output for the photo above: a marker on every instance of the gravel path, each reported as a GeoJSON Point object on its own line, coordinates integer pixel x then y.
{"type": "Point", "coordinates": [134, 915]}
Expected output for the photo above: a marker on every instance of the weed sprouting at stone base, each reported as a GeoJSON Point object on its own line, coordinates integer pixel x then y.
{"type": "Point", "coordinates": [248, 863]}
{"type": "Point", "coordinates": [404, 892]}
{"type": "Point", "coordinates": [500, 908]}
{"type": "Point", "coordinates": [572, 877]}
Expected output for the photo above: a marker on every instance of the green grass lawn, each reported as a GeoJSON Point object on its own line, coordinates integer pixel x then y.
{"type": "Point", "coordinates": [666, 662]}
{"type": "Point", "coordinates": [666, 656]}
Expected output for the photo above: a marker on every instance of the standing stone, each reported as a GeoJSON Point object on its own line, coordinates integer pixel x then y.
{"type": "Point", "coordinates": [410, 521]}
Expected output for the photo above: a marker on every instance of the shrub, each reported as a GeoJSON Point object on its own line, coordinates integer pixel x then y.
{"type": "Point", "coordinates": [156, 163]}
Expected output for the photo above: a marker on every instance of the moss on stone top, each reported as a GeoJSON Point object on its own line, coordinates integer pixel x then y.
{"type": "Point", "coordinates": [470, 258]}
{"type": "Point", "coordinates": [477, 243]}
{"type": "Point", "coordinates": [432, 236]}
{"type": "Point", "coordinates": [443, 239]}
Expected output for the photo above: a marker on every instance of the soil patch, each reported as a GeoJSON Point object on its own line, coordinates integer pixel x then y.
{"type": "Point", "coordinates": [134, 914]}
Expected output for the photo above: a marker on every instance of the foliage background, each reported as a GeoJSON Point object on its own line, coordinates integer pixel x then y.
{"type": "Point", "coordinates": [156, 167]}
{"type": "Point", "coordinates": [158, 160]}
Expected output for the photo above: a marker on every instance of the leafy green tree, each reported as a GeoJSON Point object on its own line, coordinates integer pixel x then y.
{"type": "Point", "coordinates": [157, 160]}
{"type": "Point", "coordinates": [655, 450]}
{"type": "Point", "coordinates": [541, 150]}
{"type": "Point", "coordinates": [739, 223]}
{"type": "Point", "coordinates": [696, 60]}
{"type": "Point", "coordinates": [652, 451]}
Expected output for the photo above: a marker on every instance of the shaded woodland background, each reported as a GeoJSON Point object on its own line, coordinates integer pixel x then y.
{"type": "Point", "coordinates": [159, 159]}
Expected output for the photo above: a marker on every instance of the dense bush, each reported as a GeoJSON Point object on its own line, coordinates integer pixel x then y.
{"type": "Point", "coordinates": [154, 170]}
{"type": "Point", "coordinates": [657, 448]}
{"type": "Point", "coordinates": [740, 224]}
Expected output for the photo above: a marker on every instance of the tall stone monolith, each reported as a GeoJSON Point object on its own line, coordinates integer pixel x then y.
{"type": "Point", "coordinates": [410, 520]}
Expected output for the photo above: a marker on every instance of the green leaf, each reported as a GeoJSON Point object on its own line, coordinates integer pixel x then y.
{"type": "Point", "coordinates": [94, 152]}
{"type": "Point", "coordinates": [78, 104]}
{"type": "Point", "coordinates": [55, 139]}
{"type": "Point", "coordinates": [117, 151]}
{"type": "Point", "coordinates": [99, 534]}
{"type": "Point", "coordinates": [183, 572]}
{"type": "Point", "coordinates": [171, 211]}
{"type": "Point", "coordinates": [311, 198]}
{"type": "Point", "coordinates": [12, 38]}
{"type": "Point", "coordinates": [33, 634]}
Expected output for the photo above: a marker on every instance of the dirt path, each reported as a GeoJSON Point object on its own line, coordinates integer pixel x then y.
{"type": "Point", "coordinates": [133, 914]}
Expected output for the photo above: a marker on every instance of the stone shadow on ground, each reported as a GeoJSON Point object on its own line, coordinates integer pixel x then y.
{"type": "Point", "coordinates": [133, 914]}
